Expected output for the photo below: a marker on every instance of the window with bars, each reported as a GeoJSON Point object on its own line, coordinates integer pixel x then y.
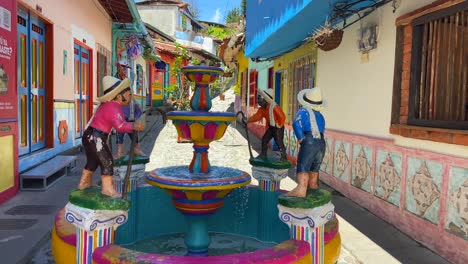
{"type": "Point", "coordinates": [301, 74]}
{"type": "Point", "coordinates": [438, 94]}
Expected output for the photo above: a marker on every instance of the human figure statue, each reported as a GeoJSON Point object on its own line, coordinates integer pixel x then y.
{"type": "Point", "coordinates": [108, 115]}
{"type": "Point", "coordinates": [309, 127]}
{"type": "Point", "coordinates": [275, 119]}
{"type": "Point", "coordinates": [129, 115]}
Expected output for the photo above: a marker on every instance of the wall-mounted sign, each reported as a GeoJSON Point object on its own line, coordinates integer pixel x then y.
{"type": "Point", "coordinates": [8, 100]}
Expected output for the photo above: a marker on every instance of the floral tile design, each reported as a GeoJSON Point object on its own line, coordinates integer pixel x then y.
{"type": "Point", "coordinates": [362, 167]}
{"type": "Point", "coordinates": [457, 218]}
{"type": "Point", "coordinates": [423, 184]}
{"type": "Point", "coordinates": [388, 176]}
{"type": "Point", "coordinates": [342, 160]}
{"type": "Point", "coordinates": [327, 159]}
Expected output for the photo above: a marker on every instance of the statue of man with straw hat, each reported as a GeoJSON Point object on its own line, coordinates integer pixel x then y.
{"type": "Point", "coordinates": [275, 119]}
{"type": "Point", "coordinates": [309, 128]}
{"type": "Point", "coordinates": [108, 115]}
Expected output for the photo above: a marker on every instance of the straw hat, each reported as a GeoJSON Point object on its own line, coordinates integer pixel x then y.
{"type": "Point", "coordinates": [311, 98]}
{"type": "Point", "coordinates": [112, 87]}
{"type": "Point", "coordinates": [267, 95]}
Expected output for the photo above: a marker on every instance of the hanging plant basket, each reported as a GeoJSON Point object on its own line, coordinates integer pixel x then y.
{"type": "Point", "coordinates": [329, 40]}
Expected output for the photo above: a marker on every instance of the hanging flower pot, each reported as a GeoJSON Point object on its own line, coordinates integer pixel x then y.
{"type": "Point", "coordinates": [327, 38]}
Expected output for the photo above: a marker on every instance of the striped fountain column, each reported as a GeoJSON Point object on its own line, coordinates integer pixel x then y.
{"type": "Point", "coordinates": [269, 179]}
{"type": "Point", "coordinates": [307, 224]}
{"type": "Point", "coordinates": [94, 228]}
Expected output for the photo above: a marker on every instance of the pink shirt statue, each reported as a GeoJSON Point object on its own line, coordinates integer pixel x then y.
{"type": "Point", "coordinates": [110, 115]}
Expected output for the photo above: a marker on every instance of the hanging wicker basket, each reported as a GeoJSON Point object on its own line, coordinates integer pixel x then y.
{"type": "Point", "coordinates": [330, 41]}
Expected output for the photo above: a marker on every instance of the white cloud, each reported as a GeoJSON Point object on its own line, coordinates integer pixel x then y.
{"type": "Point", "coordinates": [217, 16]}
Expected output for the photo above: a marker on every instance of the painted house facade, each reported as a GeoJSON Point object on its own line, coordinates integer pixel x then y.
{"type": "Point", "coordinates": [58, 64]}
{"type": "Point", "coordinates": [397, 140]}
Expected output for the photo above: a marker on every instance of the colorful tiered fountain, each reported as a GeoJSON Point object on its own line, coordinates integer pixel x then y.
{"type": "Point", "coordinates": [198, 190]}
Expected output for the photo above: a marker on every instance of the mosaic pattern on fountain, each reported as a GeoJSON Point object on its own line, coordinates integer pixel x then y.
{"type": "Point", "coordinates": [180, 176]}
{"type": "Point", "coordinates": [201, 75]}
{"type": "Point", "coordinates": [423, 181]}
{"type": "Point", "coordinates": [457, 213]}
{"type": "Point", "coordinates": [199, 132]}
{"type": "Point", "coordinates": [388, 176]}
{"type": "Point", "coordinates": [327, 162]}
{"type": "Point", "coordinates": [362, 167]}
{"type": "Point", "coordinates": [342, 160]}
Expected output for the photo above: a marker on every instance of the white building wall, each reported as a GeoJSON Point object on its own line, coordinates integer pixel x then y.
{"type": "Point", "coordinates": [359, 91]}
{"type": "Point", "coordinates": [163, 18]}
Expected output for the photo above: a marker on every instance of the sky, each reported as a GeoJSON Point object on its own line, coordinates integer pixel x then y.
{"type": "Point", "coordinates": [215, 10]}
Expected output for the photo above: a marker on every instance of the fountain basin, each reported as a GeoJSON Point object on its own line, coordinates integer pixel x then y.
{"type": "Point", "coordinates": [198, 193]}
{"type": "Point", "coordinates": [199, 126]}
{"type": "Point", "coordinates": [202, 128]}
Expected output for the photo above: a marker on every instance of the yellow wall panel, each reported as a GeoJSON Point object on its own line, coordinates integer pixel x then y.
{"type": "Point", "coordinates": [7, 163]}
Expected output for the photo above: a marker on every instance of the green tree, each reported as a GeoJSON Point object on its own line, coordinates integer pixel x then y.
{"type": "Point", "coordinates": [177, 90]}
{"type": "Point", "coordinates": [219, 33]}
{"type": "Point", "coordinates": [234, 15]}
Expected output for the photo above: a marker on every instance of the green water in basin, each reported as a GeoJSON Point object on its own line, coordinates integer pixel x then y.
{"type": "Point", "coordinates": [221, 244]}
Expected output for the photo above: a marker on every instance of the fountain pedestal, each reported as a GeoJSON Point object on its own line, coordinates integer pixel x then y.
{"type": "Point", "coordinates": [96, 217]}
{"type": "Point", "coordinates": [306, 218]}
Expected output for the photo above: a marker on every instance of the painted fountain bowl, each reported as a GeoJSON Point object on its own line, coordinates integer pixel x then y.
{"type": "Point", "coordinates": [202, 75]}
{"type": "Point", "coordinates": [198, 193]}
{"type": "Point", "coordinates": [200, 126]}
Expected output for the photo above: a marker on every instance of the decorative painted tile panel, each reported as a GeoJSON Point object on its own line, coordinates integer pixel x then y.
{"type": "Point", "coordinates": [457, 218]}
{"type": "Point", "coordinates": [342, 162]}
{"type": "Point", "coordinates": [423, 184]}
{"type": "Point", "coordinates": [388, 176]}
{"type": "Point", "coordinates": [362, 168]}
{"type": "Point", "coordinates": [327, 158]}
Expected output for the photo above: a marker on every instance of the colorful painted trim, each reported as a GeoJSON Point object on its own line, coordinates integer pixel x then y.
{"type": "Point", "coordinates": [88, 241]}
{"type": "Point", "coordinates": [315, 236]}
{"type": "Point", "coordinates": [269, 186]}
{"type": "Point", "coordinates": [290, 251]}
{"type": "Point", "coordinates": [132, 185]}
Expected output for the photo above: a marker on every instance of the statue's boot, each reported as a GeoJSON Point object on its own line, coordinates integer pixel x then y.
{"type": "Point", "coordinates": [301, 188]}
{"type": "Point", "coordinates": [86, 179]}
{"type": "Point", "coordinates": [108, 186]}
{"type": "Point", "coordinates": [313, 180]}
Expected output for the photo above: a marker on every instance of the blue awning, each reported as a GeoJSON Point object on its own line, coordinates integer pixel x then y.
{"type": "Point", "coordinates": [276, 27]}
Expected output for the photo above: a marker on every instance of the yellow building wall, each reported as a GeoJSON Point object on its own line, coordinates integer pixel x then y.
{"type": "Point", "coordinates": [243, 65]}
{"type": "Point", "coordinates": [282, 63]}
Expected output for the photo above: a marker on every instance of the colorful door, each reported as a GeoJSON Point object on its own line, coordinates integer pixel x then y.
{"type": "Point", "coordinates": [31, 82]}
{"type": "Point", "coordinates": [82, 86]}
